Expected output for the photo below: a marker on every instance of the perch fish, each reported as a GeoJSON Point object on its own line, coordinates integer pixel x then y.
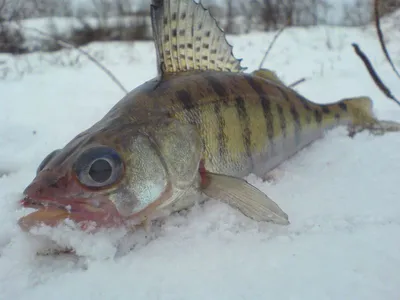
{"type": "Point", "coordinates": [193, 132]}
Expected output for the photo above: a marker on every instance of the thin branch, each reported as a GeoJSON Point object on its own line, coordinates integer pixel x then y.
{"type": "Point", "coordinates": [2, 5]}
{"type": "Point", "coordinates": [297, 82]}
{"type": "Point", "coordinates": [272, 44]}
{"type": "Point", "coordinates": [373, 74]}
{"type": "Point", "coordinates": [70, 46]}
{"type": "Point", "coordinates": [381, 39]}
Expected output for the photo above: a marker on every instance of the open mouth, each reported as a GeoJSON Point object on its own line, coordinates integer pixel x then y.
{"type": "Point", "coordinates": [47, 213]}
{"type": "Point", "coordinates": [89, 214]}
{"type": "Point", "coordinates": [68, 205]}
{"type": "Point", "coordinates": [51, 213]}
{"type": "Point", "coordinates": [41, 204]}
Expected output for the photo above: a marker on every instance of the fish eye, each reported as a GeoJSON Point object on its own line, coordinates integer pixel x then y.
{"type": "Point", "coordinates": [99, 167]}
{"type": "Point", "coordinates": [100, 170]}
{"type": "Point", "coordinates": [46, 160]}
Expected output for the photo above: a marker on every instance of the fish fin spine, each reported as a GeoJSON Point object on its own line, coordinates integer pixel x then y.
{"type": "Point", "coordinates": [188, 38]}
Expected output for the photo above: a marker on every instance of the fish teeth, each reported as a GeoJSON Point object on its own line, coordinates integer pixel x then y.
{"type": "Point", "coordinates": [95, 203]}
{"type": "Point", "coordinates": [91, 208]}
{"type": "Point", "coordinates": [42, 204]}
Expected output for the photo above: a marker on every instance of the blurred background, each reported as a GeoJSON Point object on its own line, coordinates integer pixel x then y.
{"type": "Point", "coordinates": [83, 21]}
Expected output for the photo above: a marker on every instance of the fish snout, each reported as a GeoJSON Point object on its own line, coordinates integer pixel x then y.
{"type": "Point", "coordinates": [46, 185]}
{"type": "Point", "coordinates": [58, 196]}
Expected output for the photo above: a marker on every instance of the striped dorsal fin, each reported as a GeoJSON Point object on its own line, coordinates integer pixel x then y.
{"type": "Point", "coordinates": [187, 38]}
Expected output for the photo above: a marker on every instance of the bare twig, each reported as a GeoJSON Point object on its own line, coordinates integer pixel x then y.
{"type": "Point", "coordinates": [2, 5]}
{"type": "Point", "coordinates": [373, 74]}
{"type": "Point", "coordinates": [70, 46]}
{"type": "Point", "coordinates": [381, 39]}
{"type": "Point", "coordinates": [272, 44]}
{"type": "Point", "coordinates": [297, 82]}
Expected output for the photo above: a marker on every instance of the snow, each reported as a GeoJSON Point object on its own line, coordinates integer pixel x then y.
{"type": "Point", "coordinates": [341, 194]}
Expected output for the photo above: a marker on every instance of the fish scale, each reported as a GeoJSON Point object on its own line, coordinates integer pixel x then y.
{"type": "Point", "coordinates": [243, 120]}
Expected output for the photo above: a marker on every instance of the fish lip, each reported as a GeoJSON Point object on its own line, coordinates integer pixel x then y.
{"type": "Point", "coordinates": [71, 205]}
{"type": "Point", "coordinates": [40, 203]}
{"type": "Point", "coordinates": [79, 210]}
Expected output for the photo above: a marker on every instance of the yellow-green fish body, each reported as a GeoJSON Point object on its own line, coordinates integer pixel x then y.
{"type": "Point", "coordinates": [247, 123]}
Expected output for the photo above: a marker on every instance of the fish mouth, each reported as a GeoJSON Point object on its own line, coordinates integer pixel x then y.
{"type": "Point", "coordinates": [83, 212]}
{"type": "Point", "coordinates": [69, 205]}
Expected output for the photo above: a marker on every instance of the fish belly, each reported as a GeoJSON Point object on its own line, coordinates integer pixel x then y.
{"type": "Point", "coordinates": [283, 149]}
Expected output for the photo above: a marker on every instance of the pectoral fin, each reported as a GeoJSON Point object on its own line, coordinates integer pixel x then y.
{"type": "Point", "coordinates": [248, 199]}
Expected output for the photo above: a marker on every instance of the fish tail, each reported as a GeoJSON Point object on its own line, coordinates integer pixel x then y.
{"type": "Point", "coordinates": [361, 116]}
{"type": "Point", "coordinates": [359, 110]}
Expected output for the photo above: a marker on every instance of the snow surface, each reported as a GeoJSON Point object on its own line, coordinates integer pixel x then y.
{"type": "Point", "coordinates": [341, 194]}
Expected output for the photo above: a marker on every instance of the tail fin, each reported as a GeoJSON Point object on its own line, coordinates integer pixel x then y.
{"type": "Point", "coordinates": [360, 110]}
{"type": "Point", "coordinates": [361, 117]}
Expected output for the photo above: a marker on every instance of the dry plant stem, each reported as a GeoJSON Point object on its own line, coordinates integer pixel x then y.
{"type": "Point", "coordinates": [381, 39]}
{"type": "Point", "coordinates": [70, 46]}
{"type": "Point", "coordinates": [373, 74]}
{"type": "Point", "coordinates": [297, 82]}
{"type": "Point", "coordinates": [272, 44]}
{"type": "Point", "coordinates": [2, 4]}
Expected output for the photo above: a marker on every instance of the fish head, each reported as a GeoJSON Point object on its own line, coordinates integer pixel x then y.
{"type": "Point", "coordinates": [115, 176]}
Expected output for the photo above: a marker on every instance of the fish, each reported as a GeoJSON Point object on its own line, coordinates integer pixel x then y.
{"type": "Point", "coordinates": [192, 133]}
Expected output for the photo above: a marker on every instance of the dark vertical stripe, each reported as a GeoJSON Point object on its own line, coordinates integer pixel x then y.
{"type": "Point", "coordinates": [343, 106]}
{"type": "Point", "coordinates": [280, 111]}
{"type": "Point", "coordinates": [284, 94]}
{"type": "Point", "coordinates": [282, 120]}
{"type": "Point", "coordinates": [306, 104]}
{"type": "Point", "coordinates": [245, 124]}
{"type": "Point", "coordinates": [297, 124]}
{"type": "Point", "coordinates": [293, 110]}
{"type": "Point", "coordinates": [216, 85]}
{"type": "Point", "coordinates": [185, 99]}
{"type": "Point", "coordinates": [325, 109]}
{"type": "Point", "coordinates": [318, 117]}
{"type": "Point", "coordinates": [266, 106]}
{"type": "Point", "coordinates": [222, 138]}
{"type": "Point", "coordinates": [188, 104]}
{"type": "Point", "coordinates": [302, 100]}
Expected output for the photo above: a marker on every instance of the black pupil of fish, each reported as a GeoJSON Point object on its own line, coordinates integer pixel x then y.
{"type": "Point", "coordinates": [100, 171]}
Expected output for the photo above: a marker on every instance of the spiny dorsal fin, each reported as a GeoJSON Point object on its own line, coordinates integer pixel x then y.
{"type": "Point", "coordinates": [187, 38]}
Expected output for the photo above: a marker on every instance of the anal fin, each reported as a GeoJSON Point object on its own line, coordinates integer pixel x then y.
{"type": "Point", "coordinates": [246, 198]}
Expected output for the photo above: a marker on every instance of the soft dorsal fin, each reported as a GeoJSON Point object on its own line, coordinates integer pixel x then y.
{"type": "Point", "coordinates": [187, 38]}
{"type": "Point", "coordinates": [267, 74]}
